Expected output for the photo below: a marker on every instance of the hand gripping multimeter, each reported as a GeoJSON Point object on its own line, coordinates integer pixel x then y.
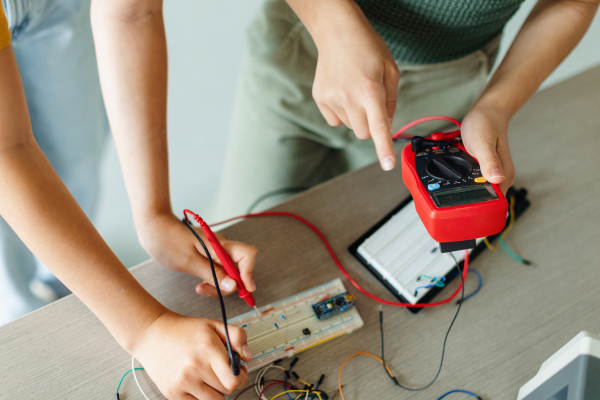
{"type": "Point", "coordinates": [455, 202]}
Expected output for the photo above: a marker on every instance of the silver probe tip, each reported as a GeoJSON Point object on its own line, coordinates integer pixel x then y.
{"type": "Point", "coordinates": [257, 311]}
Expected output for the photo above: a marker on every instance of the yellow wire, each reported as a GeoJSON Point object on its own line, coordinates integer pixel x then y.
{"type": "Point", "coordinates": [354, 355]}
{"type": "Point", "coordinates": [511, 222]}
{"type": "Point", "coordinates": [289, 391]}
{"type": "Point", "coordinates": [296, 391]}
{"type": "Point", "coordinates": [488, 244]}
{"type": "Point", "coordinates": [306, 383]}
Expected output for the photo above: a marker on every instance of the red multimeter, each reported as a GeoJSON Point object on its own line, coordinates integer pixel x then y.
{"type": "Point", "coordinates": [455, 202]}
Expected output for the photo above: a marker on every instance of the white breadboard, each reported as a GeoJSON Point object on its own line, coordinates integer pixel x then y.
{"type": "Point", "coordinates": [278, 333]}
{"type": "Point", "coordinates": [402, 250]}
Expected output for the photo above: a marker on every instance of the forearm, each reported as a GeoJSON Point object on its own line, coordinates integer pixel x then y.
{"type": "Point", "coordinates": [42, 212]}
{"type": "Point", "coordinates": [40, 209]}
{"type": "Point", "coordinates": [550, 33]}
{"type": "Point", "coordinates": [132, 60]}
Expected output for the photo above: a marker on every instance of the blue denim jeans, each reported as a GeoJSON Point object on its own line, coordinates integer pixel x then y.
{"type": "Point", "coordinates": [52, 41]}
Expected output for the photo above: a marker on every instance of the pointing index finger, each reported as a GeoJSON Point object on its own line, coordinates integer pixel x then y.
{"type": "Point", "coordinates": [380, 129]}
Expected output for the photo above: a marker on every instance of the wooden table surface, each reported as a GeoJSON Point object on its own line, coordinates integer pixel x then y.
{"type": "Point", "coordinates": [522, 315]}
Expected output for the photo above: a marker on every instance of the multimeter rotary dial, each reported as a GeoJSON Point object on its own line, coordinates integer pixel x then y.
{"type": "Point", "coordinates": [448, 168]}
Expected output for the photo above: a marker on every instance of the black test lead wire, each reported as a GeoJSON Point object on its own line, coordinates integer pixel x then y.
{"type": "Point", "coordinates": [234, 358]}
{"type": "Point", "coordinates": [392, 377]}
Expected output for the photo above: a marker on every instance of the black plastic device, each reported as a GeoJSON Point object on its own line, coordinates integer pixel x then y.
{"type": "Point", "coordinates": [235, 362]}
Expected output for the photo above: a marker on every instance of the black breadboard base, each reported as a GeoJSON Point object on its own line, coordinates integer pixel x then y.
{"type": "Point", "coordinates": [521, 204]}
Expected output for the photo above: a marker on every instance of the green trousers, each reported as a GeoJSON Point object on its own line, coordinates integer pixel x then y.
{"type": "Point", "coordinates": [280, 139]}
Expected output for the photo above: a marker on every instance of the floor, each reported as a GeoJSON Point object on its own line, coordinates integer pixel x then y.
{"type": "Point", "coordinates": [206, 39]}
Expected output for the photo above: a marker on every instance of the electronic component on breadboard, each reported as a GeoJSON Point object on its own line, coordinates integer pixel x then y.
{"type": "Point", "coordinates": [292, 325]}
{"type": "Point", "coordinates": [333, 306]}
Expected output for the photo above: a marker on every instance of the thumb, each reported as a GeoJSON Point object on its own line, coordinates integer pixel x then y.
{"type": "Point", "coordinates": [203, 271]}
{"type": "Point", "coordinates": [485, 153]}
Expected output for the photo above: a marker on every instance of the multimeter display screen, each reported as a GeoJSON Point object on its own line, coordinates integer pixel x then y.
{"type": "Point", "coordinates": [463, 196]}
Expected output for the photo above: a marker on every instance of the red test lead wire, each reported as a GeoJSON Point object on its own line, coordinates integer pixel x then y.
{"type": "Point", "coordinates": [228, 266]}
{"type": "Point", "coordinates": [341, 267]}
{"type": "Point", "coordinates": [425, 119]}
{"type": "Point", "coordinates": [234, 274]}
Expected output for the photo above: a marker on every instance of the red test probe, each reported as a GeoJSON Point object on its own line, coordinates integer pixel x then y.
{"type": "Point", "coordinates": [228, 266]}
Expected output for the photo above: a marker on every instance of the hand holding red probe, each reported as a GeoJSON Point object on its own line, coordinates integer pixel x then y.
{"type": "Point", "coordinates": [244, 286]}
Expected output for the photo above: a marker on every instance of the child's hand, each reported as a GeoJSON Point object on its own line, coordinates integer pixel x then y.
{"type": "Point", "coordinates": [169, 242]}
{"type": "Point", "coordinates": [187, 357]}
{"type": "Point", "coordinates": [484, 134]}
{"type": "Point", "coordinates": [356, 82]}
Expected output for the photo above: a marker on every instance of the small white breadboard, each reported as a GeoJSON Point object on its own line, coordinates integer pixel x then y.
{"type": "Point", "coordinates": [402, 251]}
{"type": "Point", "coordinates": [290, 325]}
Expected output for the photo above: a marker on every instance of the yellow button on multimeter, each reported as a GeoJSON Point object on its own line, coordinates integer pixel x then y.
{"type": "Point", "coordinates": [480, 179]}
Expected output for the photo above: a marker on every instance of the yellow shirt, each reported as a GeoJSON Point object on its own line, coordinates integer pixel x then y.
{"type": "Point", "coordinates": [4, 32]}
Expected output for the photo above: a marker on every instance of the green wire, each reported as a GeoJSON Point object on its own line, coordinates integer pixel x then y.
{"type": "Point", "coordinates": [504, 246]}
{"type": "Point", "coordinates": [512, 253]}
{"type": "Point", "coordinates": [123, 377]}
{"type": "Point", "coordinates": [438, 282]}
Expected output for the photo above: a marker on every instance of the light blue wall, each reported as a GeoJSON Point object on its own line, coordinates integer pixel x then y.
{"type": "Point", "coordinates": [206, 45]}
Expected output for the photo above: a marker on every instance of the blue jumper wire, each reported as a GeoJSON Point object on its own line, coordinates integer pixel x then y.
{"type": "Point", "coordinates": [458, 391]}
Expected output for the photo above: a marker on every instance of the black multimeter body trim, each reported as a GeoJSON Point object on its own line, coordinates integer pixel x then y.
{"type": "Point", "coordinates": [434, 167]}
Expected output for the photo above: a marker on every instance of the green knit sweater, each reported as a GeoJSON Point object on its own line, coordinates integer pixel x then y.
{"type": "Point", "coordinates": [433, 31]}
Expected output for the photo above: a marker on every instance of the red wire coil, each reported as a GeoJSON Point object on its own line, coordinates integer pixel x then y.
{"type": "Point", "coordinates": [341, 267]}
{"type": "Point", "coordinates": [328, 246]}
{"type": "Point", "coordinates": [421, 120]}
